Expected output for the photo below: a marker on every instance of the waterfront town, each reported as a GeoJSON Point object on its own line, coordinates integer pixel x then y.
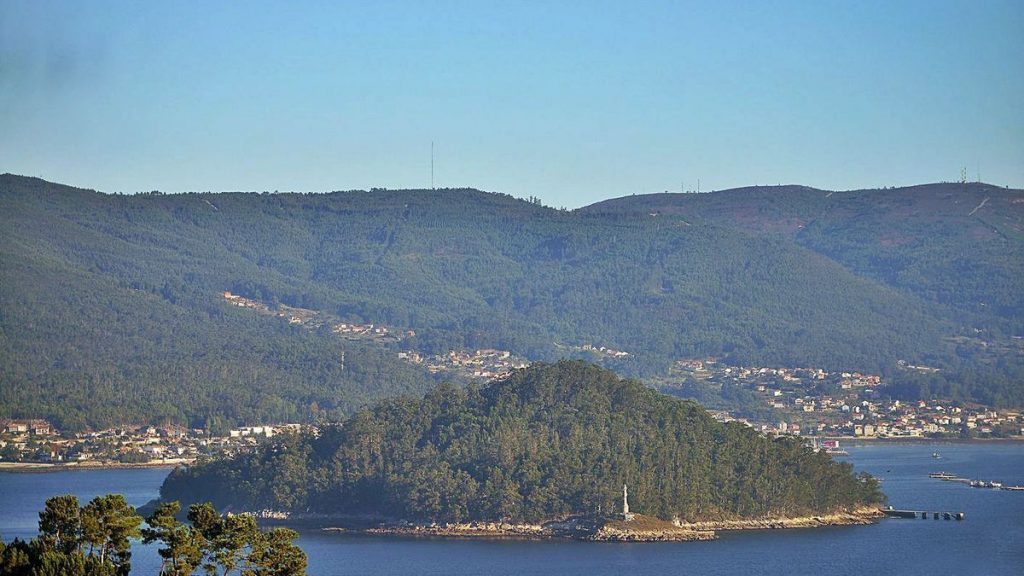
{"type": "Point", "coordinates": [807, 402]}
{"type": "Point", "coordinates": [818, 403]}
{"type": "Point", "coordinates": [36, 442]}
{"type": "Point", "coordinates": [855, 410]}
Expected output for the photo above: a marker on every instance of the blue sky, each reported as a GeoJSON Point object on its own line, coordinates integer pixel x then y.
{"type": "Point", "coordinates": [572, 102]}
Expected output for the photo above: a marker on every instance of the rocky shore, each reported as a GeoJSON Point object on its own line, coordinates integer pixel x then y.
{"type": "Point", "coordinates": [462, 530]}
{"type": "Point", "coordinates": [647, 529]}
{"type": "Point", "coordinates": [866, 515]}
{"type": "Point", "coordinates": [90, 465]}
{"type": "Point", "coordinates": [640, 529]}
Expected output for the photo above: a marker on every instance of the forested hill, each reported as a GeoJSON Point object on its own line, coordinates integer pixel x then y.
{"type": "Point", "coordinates": [956, 244]}
{"type": "Point", "coordinates": [111, 306]}
{"type": "Point", "coordinates": [546, 442]}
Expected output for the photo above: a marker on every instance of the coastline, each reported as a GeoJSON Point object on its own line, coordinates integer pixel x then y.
{"type": "Point", "coordinates": [857, 517]}
{"type": "Point", "coordinates": [88, 465]}
{"type": "Point", "coordinates": [645, 530]}
{"type": "Point", "coordinates": [640, 529]}
{"type": "Point", "coordinates": [856, 440]}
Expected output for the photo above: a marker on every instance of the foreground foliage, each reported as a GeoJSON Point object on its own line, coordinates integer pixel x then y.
{"type": "Point", "coordinates": [548, 441]}
{"type": "Point", "coordinates": [95, 540]}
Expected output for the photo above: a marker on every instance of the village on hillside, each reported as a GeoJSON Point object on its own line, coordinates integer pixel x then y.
{"type": "Point", "coordinates": [852, 407]}
{"type": "Point", "coordinates": [482, 364]}
{"type": "Point", "coordinates": [809, 402]}
{"type": "Point", "coordinates": [854, 410]}
{"type": "Point", "coordinates": [316, 319]}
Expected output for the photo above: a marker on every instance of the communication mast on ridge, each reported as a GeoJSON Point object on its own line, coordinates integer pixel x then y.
{"type": "Point", "coordinates": [431, 164]}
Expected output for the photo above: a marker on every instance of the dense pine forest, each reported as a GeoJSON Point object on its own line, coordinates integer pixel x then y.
{"type": "Point", "coordinates": [110, 306]}
{"type": "Point", "coordinates": [547, 442]}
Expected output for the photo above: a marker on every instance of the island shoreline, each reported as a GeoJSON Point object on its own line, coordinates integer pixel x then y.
{"type": "Point", "coordinates": [648, 530]}
{"type": "Point", "coordinates": [66, 467]}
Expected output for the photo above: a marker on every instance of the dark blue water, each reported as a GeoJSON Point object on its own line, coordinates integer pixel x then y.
{"type": "Point", "coordinates": [23, 494]}
{"type": "Point", "coordinates": [989, 541]}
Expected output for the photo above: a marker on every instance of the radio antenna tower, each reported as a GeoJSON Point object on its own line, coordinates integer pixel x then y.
{"type": "Point", "coordinates": [432, 165]}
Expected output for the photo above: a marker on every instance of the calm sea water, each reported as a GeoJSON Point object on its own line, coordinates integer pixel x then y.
{"type": "Point", "coordinates": [989, 541]}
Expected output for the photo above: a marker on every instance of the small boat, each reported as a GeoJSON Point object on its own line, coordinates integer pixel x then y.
{"type": "Point", "coordinates": [936, 455]}
{"type": "Point", "coordinates": [1014, 488]}
{"type": "Point", "coordinates": [942, 475]}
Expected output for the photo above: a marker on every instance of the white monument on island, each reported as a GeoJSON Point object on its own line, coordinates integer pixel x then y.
{"type": "Point", "coordinates": [626, 514]}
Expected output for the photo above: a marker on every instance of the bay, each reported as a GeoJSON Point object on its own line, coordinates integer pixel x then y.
{"type": "Point", "coordinates": [989, 541]}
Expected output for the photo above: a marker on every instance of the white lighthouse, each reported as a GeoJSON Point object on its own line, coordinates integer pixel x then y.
{"type": "Point", "coordinates": [626, 515]}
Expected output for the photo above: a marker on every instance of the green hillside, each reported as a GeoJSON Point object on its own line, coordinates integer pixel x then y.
{"type": "Point", "coordinates": [957, 244]}
{"type": "Point", "coordinates": [547, 442]}
{"type": "Point", "coordinates": [958, 248]}
{"type": "Point", "coordinates": [111, 307]}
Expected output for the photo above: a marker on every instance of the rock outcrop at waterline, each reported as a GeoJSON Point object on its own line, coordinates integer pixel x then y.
{"type": "Point", "coordinates": [640, 529]}
{"type": "Point", "coordinates": [647, 529]}
{"type": "Point", "coordinates": [858, 516]}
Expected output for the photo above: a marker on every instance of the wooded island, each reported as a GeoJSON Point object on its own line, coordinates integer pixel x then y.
{"type": "Point", "coordinates": [550, 442]}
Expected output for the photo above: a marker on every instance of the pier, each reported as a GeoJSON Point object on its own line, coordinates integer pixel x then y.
{"type": "Point", "coordinates": [924, 515]}
{"type": "Point", "coordinates": [948, 477]}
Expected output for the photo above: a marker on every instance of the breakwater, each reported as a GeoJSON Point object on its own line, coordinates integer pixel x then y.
{"type": "Point", "coordinates": [991, 484]}
{"type": "Point", "coordinates": [923, 514]}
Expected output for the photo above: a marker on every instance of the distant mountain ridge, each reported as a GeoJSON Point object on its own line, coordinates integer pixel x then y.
{"type": "Point", "coordinates": [110, 305]}
{"type": "Point", "coordinates": [887, 234]}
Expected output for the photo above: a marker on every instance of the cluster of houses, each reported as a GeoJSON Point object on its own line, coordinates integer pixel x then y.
{"type": "Point", "coordinates": [603, 351]}
{"type": "Point", "coordinates": [316, 319]}
{"type": "Point", "coordinates": [356, 331]}
{"type": "Point", "coordinates": [35, 441]}
{"type": "Point", "coordinates": [853, 407]}
{"type": "Point", "coordinates": [241, 302]}
{"type": "Point", "coordinates": [467, 364]}
{"type": "Point", "coordinates": [478, 364]}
